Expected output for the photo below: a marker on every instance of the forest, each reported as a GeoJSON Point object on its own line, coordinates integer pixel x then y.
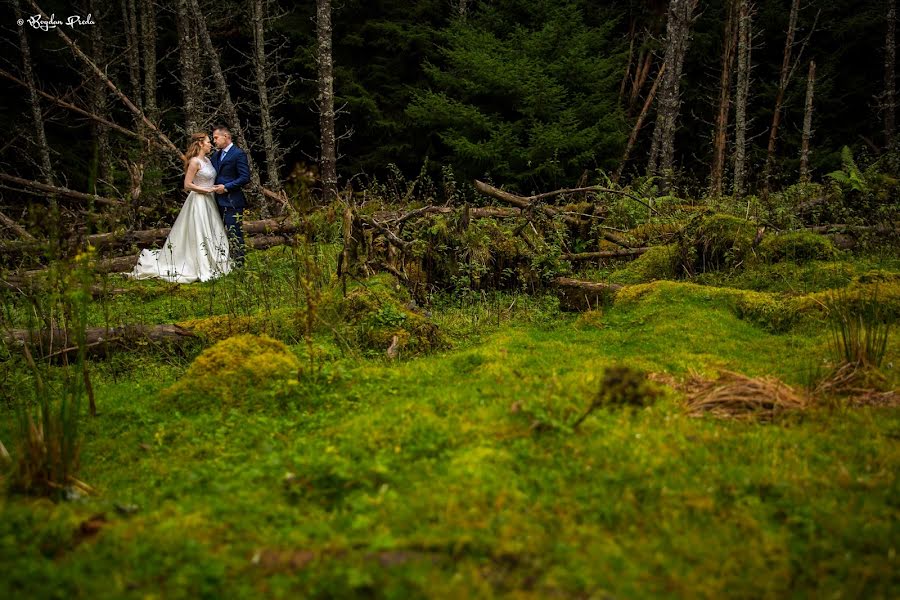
{"type": "Point", "coordinates": [449, 299]}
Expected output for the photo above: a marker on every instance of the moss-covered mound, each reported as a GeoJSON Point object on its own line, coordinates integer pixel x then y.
{"type": "Point", "coordinates": [722, 241]}
{"type": "Point", "coordinates": [772, 311]}
{"type": "Point", "coordinates": [241, 371]}
{"type": "Point", "coordinates": [797, 246]}
{"type": "Point", "coordinates": [381, 315]}
{"type": "Point", "coordinates": [659, 262]}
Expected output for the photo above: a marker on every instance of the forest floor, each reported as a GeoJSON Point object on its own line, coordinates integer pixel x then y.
{"type": "Point", "coordinates": [458, 473]}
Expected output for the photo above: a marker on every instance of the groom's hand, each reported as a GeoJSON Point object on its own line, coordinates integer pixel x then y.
{"type": "Point", "coordinates": [219, 188]}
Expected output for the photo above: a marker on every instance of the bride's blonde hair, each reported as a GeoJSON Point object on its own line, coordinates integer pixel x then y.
{"type": "Point", "coordinates": [195, 148]}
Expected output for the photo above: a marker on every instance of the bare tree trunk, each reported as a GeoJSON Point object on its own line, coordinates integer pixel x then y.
{"type": "Point", "coordinates": [132, 51]}
{"type": "Point", "coordinates": [890, 57]}
{"type": "Point", "coordinates": [148, 44]}
{"type": "Point", "coordinates": [102, 163]}
{"type": "Point", "coordinates": [632, 139]}
{"type": "Point", "coordinates": [40, 136]}
{"type": "Point", "coordinates": [644, 62]}
{"type": "Point", "coordinates": [741, 94]}
{"type": "Point", "coordinates": [631, 36]}
{"type": "Point", "coordinates": [720, 135]}
{"type": "Point", "coordinates": [273, 158]}
{"type": "Point", "coordinates": [190, 67]}
{"type": "Point", "coordinates": [779, 97]}
{"type": "Point", "coordinates": [677, 40]}
{"type": "Point", "coordinates": [222, 89]}
{"type": "Point", "coordinates": [328, 159]}
{"type": "Point", "coordinates": [807, 123]}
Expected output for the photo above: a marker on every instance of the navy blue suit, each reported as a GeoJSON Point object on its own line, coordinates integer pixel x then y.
{"type": "Point", "coordinates": [233, 173]}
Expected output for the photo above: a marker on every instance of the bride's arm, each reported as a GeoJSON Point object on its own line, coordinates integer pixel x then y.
{"type": "Point", "coordinates": [193, 167]}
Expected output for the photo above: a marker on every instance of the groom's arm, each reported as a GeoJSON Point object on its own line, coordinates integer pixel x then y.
{"type": "Point", "coordinates": [243, 169]}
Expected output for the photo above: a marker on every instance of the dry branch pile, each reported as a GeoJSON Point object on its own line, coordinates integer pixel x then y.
{"type": "Point", "coordinates": [737, 396]}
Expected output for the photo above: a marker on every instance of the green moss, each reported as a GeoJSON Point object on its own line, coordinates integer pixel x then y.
{"type": "Point", "coordinates": [241, 371]}
{"type": "Point", "coordinates": [722, 241]}
{"type": "Point", "coordinates": [379, 314]}
{"type": "Point", "coordinates": [797, 246]}
{"type": "Point", "coordinates": [659, 262]}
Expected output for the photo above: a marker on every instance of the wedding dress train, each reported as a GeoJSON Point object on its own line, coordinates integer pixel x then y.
{"type": "Point", "coordinates": [197, 246]}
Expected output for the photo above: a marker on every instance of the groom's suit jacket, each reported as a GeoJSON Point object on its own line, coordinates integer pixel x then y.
{"type": "Point", "coordinates": [233, 173]}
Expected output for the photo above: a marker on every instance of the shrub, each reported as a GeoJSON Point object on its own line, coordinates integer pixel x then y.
{"type": "Point", "coordinates": [860, 327]}
{"type": "Point", "coordinates": [243, 370]}
{"type": "Point", "coordinates": [798, 246]}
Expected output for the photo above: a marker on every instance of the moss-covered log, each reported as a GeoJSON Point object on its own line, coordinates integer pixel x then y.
{"type": "Point", "coordinates": [60, 343]}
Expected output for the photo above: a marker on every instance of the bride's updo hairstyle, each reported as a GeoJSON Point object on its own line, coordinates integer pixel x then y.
{"type": "Point", "coordinates": [195, 148]}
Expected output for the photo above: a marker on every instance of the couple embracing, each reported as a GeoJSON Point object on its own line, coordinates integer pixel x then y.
{"type": "Point", "coordinates": [207, 239]}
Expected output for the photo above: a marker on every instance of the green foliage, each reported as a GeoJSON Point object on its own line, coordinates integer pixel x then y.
{"type": "Point", "coordinates": [378, 314]}
{"type": "Point", "coordinates": [529, 104]}
{"type": "Point", "coordinates": [245, 371]}
{"type": "Point", "coordinates": [860, 327]}
{"type": "Point", "coordinates": [48, 441]}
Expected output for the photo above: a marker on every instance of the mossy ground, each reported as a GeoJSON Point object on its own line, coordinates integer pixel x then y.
{"type": "Point", "coordinates": [426, 477]}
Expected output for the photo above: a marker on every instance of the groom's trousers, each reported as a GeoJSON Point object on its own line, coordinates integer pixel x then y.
{"type": "Point", "coordinates": [233, 219]}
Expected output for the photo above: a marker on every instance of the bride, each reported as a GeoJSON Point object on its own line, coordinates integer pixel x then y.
{"type": "Point", "coordinates": [197, 246]}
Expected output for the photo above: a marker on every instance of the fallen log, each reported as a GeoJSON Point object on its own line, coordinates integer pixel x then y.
{"type": "Point", "coordinates": [124, 264]}
{"type": "Point", "coordinates": [583, 256]}
{"type": "Point", "coordinates": [530, 201]}
{"type": "Point", "coordinates": [578, 295]}
{"type": "Point", "coordinates": [59, 343]}
{"type": "Point", "coordinates": [395, 217]}
{"type": "Point", "coordinates": [148, 237]}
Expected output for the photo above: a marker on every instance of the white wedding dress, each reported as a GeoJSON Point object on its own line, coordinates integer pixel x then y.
{"type": "Point", "coordinates": [197, 246]}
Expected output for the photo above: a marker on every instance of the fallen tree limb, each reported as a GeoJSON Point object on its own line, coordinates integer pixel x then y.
{"type": "Point", "coordinates": [580, 256]}
{"type": "Point", "coordinates": [575, 294]}
{"type": "Point", "coordinates": [59, 343]}
{"type": "Point", "coordinates": [842, 228]}
{"type": "Point", "coordinates": [527, 202]}
{"type": "Point", "coordinates": [74, 108]}
{"type": "Point", "coordinates": [147, 237]}
{"type": "Point", "coordinates": [60, 191]}
{"type": "Point", "coordinates": [18, 229]}
{"type": "Point", "coordinates": [396, 217]}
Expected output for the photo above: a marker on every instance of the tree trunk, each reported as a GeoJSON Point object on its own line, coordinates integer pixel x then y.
{"type": "Point", "coordinates": [101, 167]}
{"type": "Point", "coordinates": [328, 143]}
{"type": "Point", "coordinates": [807, 123]}
{"type": "Point", "coordinates": [631, 36]}
{"type": "Point", "coordinates": [132, 51]}
{"type": "Point", "coordinates": [273, 159]}
{"type": "Point", "coordinates": [37, 116]}
{"type": "Point", "coordinates": [677, 40]}
{"type": "Point", "coordinates": [741, 94]}
{"type": "Point", "coordinates": [890, 57]}
{"type": "Point", "coordinates": [190, 67]}
{"type": "Point", "coordinates": [779, 97]}
{"type": "Point", "coordinates": [642, 71]}
{"type": "Point", "coordinates": [222, 89]}
{"type": "Point", "coordinates": [632, 139]}
{"type": "Point", "coordinates": [720, 135]}
{"type": "Point", "coordinates": [148, 44]}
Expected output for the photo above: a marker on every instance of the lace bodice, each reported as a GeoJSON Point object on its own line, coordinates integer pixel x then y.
{"type": "Point", "coordinates": [206, 174]}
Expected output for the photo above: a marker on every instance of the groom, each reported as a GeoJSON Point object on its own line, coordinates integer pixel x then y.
{"type": "Point", "coordinates": [232, 173]}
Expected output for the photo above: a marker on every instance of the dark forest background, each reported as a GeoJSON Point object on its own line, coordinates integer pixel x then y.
{"type": "Point", "coordinates": [533, 95]}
